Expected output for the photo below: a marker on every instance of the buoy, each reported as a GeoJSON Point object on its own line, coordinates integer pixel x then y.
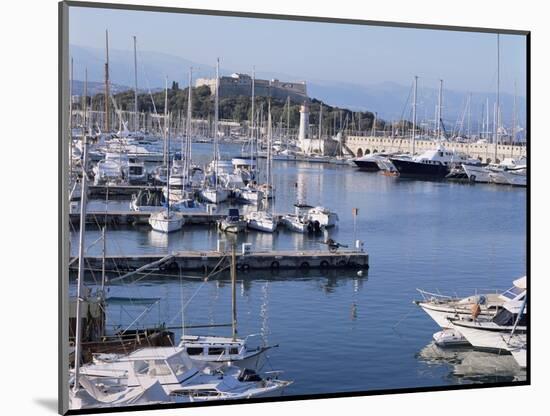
{"type": "Point", "coordinates": [360, 273]}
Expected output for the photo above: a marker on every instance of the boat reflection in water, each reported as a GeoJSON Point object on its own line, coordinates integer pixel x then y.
{"type": "Point", "coordinates": [473, 366]}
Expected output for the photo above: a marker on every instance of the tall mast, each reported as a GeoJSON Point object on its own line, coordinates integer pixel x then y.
{"type": "Point", "coordinates": [414, 111]}
{"type": "Point", "coordinates": [469, 113]}
{"type": "Point", "coordinates": [107, 92]}
{"type": "Point", "coordinates": [497, 119]}
{"type": "Point", "coordinates": [514, 115]}
{"type": "Point", "coordinates": [216, 116]}
{"type": "Point", "coordinates": [320, 124]}
{"type": "Point", "coordinates": [79, 290]}
{"type": "Point", "coordinates": [439, 100]}
{"type": "Point", "coordinates": [71, 120]}
{"type": "Point", "coordinates": [233, 292]}
{"type": "Point", "coordinates": [252, 118]}
{"type": "Point", "coordinates": [188, 142]}
{"type": "Point", "coordinates": [136, 120]}
{"type": "Point", "coordinates": [287, 121]}
{"type": "Point", "coordinates": [487, 119]}
{"type": "Point", "coordinates": [167, 146]}
{"type": "Point", "coordinates": [268, 165]}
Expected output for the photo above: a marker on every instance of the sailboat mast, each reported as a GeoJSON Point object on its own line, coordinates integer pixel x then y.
{"type": "Point", "coordinates": [287, 120]}
{"type": "Point", "coordinates": [498, 97]}
{"type": "Point", "coordinates": [71, 120]}
{"type": "Point", "coordinates": [188, 142]}
{"type": "Point", "coordinates": [233, 292]}
{"type": "Point", "coordinates": [216, 116]}
{"type": "Point", "coordinates": [320, 125]}
{"type": "Point", "coordinates": [252, 118]}
{"type": "Point", "coordinates": [107, 93]}
{"type": "Point", "coordinates": [136, 120]}
{"type": "Point", "coordinates": [414, 112]}
{"type": "Point", "coordinates": [439, 100]}
{"type": "Point", "coordinates": [79, 290]}
{"type": "Point", "coordinates": [167, 146]}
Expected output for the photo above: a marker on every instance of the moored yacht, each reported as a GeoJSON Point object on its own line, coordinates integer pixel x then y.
{"type": "Point", "coordinates": [441, 307]}
{"type": "Point", "coordinates": [433, 164]}
{"type": "Point", "coordinates": [261, 221]}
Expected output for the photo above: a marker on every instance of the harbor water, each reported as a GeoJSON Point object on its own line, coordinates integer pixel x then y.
{"type": "Point", "coordinates": [338, 331]}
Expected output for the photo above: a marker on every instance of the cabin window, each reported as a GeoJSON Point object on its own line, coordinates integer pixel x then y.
{"type": "Point", "coordinates": [194, 351]}
{"type": "Point", "coordinates": [513, 292]}
{"type": "Point", "coordinates": [216, 351]}
{"type": "Point", "coordinates": [158, 368]}
{"type": "Point", "coordinates": [233, 350]}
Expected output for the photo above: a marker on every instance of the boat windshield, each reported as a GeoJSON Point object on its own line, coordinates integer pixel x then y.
{"type": "Point", "coordinates": [513, 293]}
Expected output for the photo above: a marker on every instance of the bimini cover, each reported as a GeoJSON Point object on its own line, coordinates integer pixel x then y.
{"type": "Point", "coordinates": [521, 282]}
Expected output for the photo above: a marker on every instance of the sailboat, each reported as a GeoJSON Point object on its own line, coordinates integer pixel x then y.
{"type": "Point", "coordinates": [263, 220]}
{"type": "Point", "coordinates": [166, 221]}
{"type": "Point", "coordinates": [214, 192]}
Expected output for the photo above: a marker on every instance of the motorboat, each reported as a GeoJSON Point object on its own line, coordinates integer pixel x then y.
{"type": "Point", "coordinates": [369, 163]}
{"type": "Point", "coordinates": [233, 223]}
{"type": "Point", "coordinates": [261, 221]}
{"type": "Point", "coordinates": [136, 172]}
{"type": "Point", "coordinates": [322, 217]}
{"type": "Point", "coordinates": [166, 221]}
{"type": "Point", "coordinates": [216, 352]}
{"type": "Point", "coordinates": [434, 164]}
{"type": "Point", "coordinates": [297, 223]}
{"type": "Point", "coordinates": [112, 170]}
{"type": "Point", "coordinates": [180, 379]}
{"type": "Point", "coordinates": [441, 307]}
{"type": "Point", "coordinates": [509, 325]}
{"type": "Point", "coordinates": [491, 172]}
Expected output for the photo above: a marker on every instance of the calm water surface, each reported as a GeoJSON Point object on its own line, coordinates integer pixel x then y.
{"type": "Point", "coordinates": [337, 331]}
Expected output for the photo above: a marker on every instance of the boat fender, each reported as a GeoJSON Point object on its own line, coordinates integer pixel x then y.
{"type": "Point", "coordinates": [304, 265]}
{"type": "Point", "coordinates": [324, 264]}
{"type": "Point", "coordinates": [275, 264]}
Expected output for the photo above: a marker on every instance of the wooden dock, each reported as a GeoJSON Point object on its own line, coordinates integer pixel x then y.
{"type": "Point", "coordinates": [206, 261]}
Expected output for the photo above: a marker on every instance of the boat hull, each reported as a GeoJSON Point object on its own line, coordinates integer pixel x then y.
{"type": "Point", "coordinates": [417, 169]}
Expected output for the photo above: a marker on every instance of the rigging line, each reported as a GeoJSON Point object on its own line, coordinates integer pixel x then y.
{"type": "Point", "coordinates": [140, 315]}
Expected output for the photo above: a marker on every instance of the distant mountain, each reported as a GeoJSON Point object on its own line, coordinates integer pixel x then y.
{"type": "Point", "coordinates": [390, 100]}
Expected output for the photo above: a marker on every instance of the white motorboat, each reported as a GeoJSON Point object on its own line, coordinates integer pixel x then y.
{"type": "Point", "coordinates": [441, 307]}
{"type": "Point", "coordinates": [322, 217]}
{"type": "Point", "coordinates": [166, 221]}
{"type": "Point", "coordinates": [516, 177]}
{"type": "Point", "coordinates": [216, 352]}
{"type": "Point", "coordinates": [180, 379]}
{"type": "Point", "coordinates": [491, 172]}
{"type": "Point", "coordinates": [297, 223]}
{"type": "Point", "coordinates": [498, 332]}
{"type": "Point", "coordinates": [261, 221]}
{"type": "Point", "coordinates": [233, 223]}
{"type": "Point", "coordinates": [112, 170]}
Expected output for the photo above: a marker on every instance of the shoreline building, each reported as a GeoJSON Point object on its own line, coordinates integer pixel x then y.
{"type": "Point", "coordinates": [241, 84]}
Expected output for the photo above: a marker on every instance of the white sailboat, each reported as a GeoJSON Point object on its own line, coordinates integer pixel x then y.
{"type": "Point", "coordinates": [166, 221]}
{"type": "Point", "coordinates": [215, 193]}
{"type": "Point", "coordinates": [263, 220]}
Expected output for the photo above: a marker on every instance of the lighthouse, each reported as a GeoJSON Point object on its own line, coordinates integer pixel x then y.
{"type": "Point", "coordinates": [303, 132]}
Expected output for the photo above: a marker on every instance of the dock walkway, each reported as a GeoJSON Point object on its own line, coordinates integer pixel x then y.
{"type": "Point", "coordinates": [207, 260]}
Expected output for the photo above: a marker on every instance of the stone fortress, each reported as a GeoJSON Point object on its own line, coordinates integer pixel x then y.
{"type": "Point", "coordinates": [241, 84]}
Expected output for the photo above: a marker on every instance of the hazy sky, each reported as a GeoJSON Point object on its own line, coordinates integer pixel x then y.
{"type": "Point", "coordinates": [313, 51]}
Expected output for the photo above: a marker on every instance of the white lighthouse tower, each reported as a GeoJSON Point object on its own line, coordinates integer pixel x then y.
{"type": "Point", "coordinates": [303, 132]}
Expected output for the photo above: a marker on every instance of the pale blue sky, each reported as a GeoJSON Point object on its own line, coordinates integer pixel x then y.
{"type": "Point", "coordinates": [313, 51]}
